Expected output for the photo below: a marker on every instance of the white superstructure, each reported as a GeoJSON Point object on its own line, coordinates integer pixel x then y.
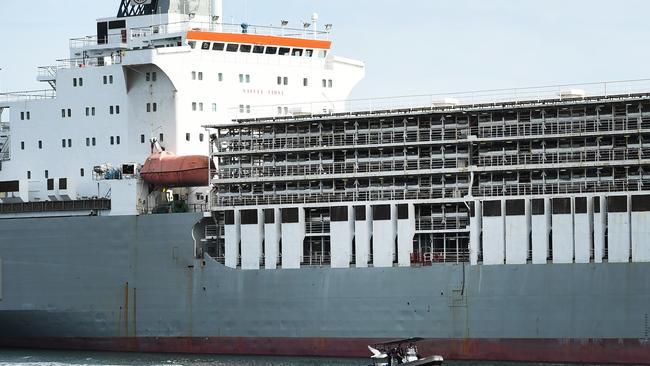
{"type": "Point", "coordinates": [158, 78]}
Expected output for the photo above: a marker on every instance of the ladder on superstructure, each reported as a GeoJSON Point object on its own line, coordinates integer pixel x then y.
{"type": "Point", "coordinates": [4, 141]}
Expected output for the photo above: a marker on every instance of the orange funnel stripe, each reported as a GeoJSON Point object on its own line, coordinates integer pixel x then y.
{"type": "Point", "coordinates": [258, 40]}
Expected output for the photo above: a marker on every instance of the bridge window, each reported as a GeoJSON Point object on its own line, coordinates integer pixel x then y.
{"type": "Point", "coordinates": [192, 44]}
{"type": "Point", "coordinates": [284, 51]}
{"type": "Point", "coordinates": [258, 49]}
{"type": "Point", "coordinates": [309, 53]}
{"type": "Point", "coordinates": [218, 46]}
{"type": "Point", "coordinates": [245, 48]}
{"type": "Point", "coordinates": [271, 50]}
{"type": "Point", "coordinates": [232, 47]}
{"type": "Point", "coordinates": [205, 46]}
{"type": "Point", "coordinates": [297, 52]}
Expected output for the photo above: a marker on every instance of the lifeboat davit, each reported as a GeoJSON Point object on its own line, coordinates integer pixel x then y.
{"type": "Point", "coordinates": [167, 170]}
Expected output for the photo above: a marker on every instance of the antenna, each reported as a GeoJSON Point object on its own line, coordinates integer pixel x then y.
{"type": "Point", "coordinates": [314, 19]}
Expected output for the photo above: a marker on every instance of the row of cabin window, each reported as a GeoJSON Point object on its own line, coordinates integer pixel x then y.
{"type": "Point", "coordinates": [79, 82]}
{"type": "Point", "coordinates": [198, 107]}
{"type": "Point", "coordinates": [90, 111]}
{"type": "Point", "coordinates": [198, 75]}
{"type": "Point", "coordinates": [151, 76]}
{"type": "Point", "coordinates": [114, 140]}
{"type": "Point", "coordinates": [258, 49]}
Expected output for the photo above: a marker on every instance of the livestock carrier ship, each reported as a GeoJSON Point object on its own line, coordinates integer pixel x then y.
{"type": "Point", "coordinates": [186, 185]}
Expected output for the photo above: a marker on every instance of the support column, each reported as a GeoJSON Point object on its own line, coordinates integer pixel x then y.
{"type": "Point", "coordinates": [600, 223]}
{"type": "Point", "coordinates": [582, 220]}
{"type": "Point", "coordinates": [272, 236]}
{"type": "Point", "coordinates": [405, 233]}
{"type": "Point", "coordinates": [383, 231]}
{"type": "Point", "coordinates": [252, 238]}
{"type": "Point", "coordinates": [641, 229]}
{"type": "Point", "coordinates": [293, 236]}
{"type": "Point", "coordinates": [516, 232]}
{"type": "Point", "coordinates": [493, 232]}
{"type": "Point", "coordinates": [341, 235]}
{"type": "Point", "coordinates": [540, 226]}
{"type": "Point", "coordinates": [562, 222]}
{"type": "Point", "coordinates": [618, 229]}
{"type": "Point", "coordinates": [475, 216]}
{"type": "Point", "coordinates": [362, 234]}
{"type": "Point", "coordinates": [232, 238]}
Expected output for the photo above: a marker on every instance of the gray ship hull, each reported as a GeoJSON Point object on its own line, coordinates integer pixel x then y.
{"type": "Point", "coordinates": [134, 284]}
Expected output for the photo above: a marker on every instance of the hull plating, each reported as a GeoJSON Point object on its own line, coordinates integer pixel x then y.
{"type": "Point", "coordinates": [132, 283]}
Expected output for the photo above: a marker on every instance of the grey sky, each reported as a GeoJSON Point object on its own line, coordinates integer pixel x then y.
{"type": "Point", "coordinates": [409, 46]}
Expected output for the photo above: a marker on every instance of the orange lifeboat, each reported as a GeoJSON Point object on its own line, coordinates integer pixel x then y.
{"type": "Point", "coordinates": [167, 170]}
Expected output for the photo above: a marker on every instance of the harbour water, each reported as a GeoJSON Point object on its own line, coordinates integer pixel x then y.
{"type": "Point", "coordinates": [22, 357]}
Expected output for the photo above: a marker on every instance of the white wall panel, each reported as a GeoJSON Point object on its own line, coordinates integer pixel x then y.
{"type": "Point", "coordinates": [342, 236]}
{"type": "Point", "coordinates": [475, 228]}
{"type": "Point", "coordinates": [383, 234]}
{"type": "Point", "coordinates": [540, 229]}
{"type": "Point", "coordinates": [516, 232]}
{"type": "Point", "coordinates": [362, 234]}
{"type": "Point", "coordinates": [582, 220]}
{"type": "Point", "coordinates": [493, 232]}
{"type": "Point", "coordinates": [232, 238]}
{"type": "Point", "coordinates": [252, 238]}
{"type": "Point", "coordinates": [618, 229]}
{"type": "Point", "coordinates": [600, 223]}
{"type": "Point", "coordinates": [272, 236]}
{"type": "Point", "coordinates": [405, 234]}
{"type": "Point", "coordinates": [641, 228]}
{"type": "Point", "coordinates": [293, 236]}
{"type": "Point", "coordinates": [562, 226]}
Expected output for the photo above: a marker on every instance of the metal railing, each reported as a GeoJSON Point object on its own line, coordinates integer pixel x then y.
{"type": "Point", "coordinates": [55, 206]}
{"type": "Point", "coordinates": [479, 99]}
{"type": "Point", "coordinates": [556, 188]}
{"type": "Point", "coordinates": [439, 256]}
{"type": "Point", "coordinates": [176, 28]}
{"type": "Point", "coordinates": [24, 96]}
{"type": "Point", "coordinates": [223, 200]}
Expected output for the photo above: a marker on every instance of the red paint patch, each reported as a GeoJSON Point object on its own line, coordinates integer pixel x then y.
{"type": "Point", "coordinates": [621, 351]}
